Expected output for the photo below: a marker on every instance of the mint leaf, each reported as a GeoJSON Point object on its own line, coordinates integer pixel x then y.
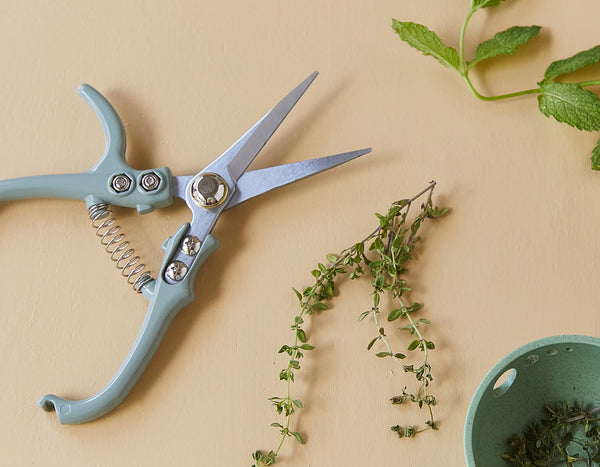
{"type": "Point", "coordinates": [504, 43]}
{"type": "Point", "coordinates": [423, 39]}
{"type": "Point", "coordinates": [596, 157]}
{"type": "Point", "coordinates": [477, 4]}
{"type": "Point", "coordinates": [577, 61]}
{"type": "Point", "coordinates": [571, 104]}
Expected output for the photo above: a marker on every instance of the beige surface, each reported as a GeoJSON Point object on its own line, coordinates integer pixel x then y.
{"type": "Point", "coordinates": [516, 260]}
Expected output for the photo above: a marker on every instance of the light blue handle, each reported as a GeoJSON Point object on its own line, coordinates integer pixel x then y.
{"type": "Point", "coordinates": [166, 300]}
{"type": "Point", "coordinates": [96, 184]}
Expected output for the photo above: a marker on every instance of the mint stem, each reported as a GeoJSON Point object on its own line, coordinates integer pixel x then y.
{"type": "Point", "coordinates": [515, 94]}
{"type": "Point", "coordinates": [464, 71]}
{"type": "Point", "coordinates": [589, 83]}
{"type": "Point", "coordinates": [463, 67]}
{"type": "Point", "coordinates": [501, 96]}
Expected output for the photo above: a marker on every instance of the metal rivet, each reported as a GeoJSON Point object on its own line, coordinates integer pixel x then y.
{"type": "Point", "coordinates": [121, 183]}
{"type": "Point", "coordinates": [191, 245]}
{"type": "Point", "coordinates": [150, 181]}
{"type": "Point", "coordinates": [209, 190]}
{"type": "Point", "coordinates": [176, 271]}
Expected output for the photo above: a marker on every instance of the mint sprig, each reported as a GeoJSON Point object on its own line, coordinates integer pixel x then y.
{"type": "Point", "coordinates": [568, 103]}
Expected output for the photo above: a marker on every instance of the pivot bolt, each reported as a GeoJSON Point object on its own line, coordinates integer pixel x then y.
{"type": "Point", "coordinates": [150, 181]}
{"type": "Point", "coordinates": [191, 245]}
{"type": "Point", "coordinates": [209, 190]}
{"type": "Point", "coordinates": [176, 271]}
{"type": "Point", "coordinates": [121, 183]}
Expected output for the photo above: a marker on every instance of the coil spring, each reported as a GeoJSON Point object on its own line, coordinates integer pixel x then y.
{"type": "Point", "coordinates": [117, 247]}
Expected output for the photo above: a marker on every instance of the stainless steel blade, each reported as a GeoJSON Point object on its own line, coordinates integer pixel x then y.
{"type": "Point", "coordinates": [260, 181]}
{"type": "Point", "coordinates": [265, 129]}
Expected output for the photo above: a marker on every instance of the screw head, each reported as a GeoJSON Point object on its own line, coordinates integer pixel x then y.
{"type": "Point", "coordinates": [121, 183]}
{"type": "Point", "coordinates": [191, 245]}
{"type": "Point", "coordinates": [209, 190]}
{"type": "Point", "coordinates": [150, 181]}
{"type": "Point", "coordinates": [176, 271]}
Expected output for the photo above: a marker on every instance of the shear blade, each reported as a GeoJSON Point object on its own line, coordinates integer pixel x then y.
{"type": "Point", "coordinates": [261, 181]}
{"type": "Point", "coordinates": [264, 129]}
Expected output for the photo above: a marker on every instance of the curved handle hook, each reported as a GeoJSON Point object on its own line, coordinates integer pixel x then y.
{"type": "Point", "coordinates": [166, 300]}
{"type": "Point", "coordinates": [114, 131]}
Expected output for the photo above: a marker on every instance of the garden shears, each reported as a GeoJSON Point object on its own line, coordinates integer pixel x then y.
{"type": "Point", "coordinates": [222, 184]}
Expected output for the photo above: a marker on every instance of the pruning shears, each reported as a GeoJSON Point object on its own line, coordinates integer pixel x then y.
{"type": "Point", "coordinates": [221, 185]}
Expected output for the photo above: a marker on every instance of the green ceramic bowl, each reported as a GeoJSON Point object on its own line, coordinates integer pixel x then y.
{"type": "Point", "coordinates": [515, 391]}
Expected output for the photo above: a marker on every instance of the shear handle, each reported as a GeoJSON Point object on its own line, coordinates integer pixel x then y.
{"type": "Point", "coordinates": [97, 184]}
{"type": "Point", "coordinates": [166, 301]}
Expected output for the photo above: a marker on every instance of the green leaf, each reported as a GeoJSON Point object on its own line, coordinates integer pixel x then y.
{"type": "Point", "coordinates": [270, 460]}
{"type": "Point", "coordinates": [504, 43]}
{"type": "Point", "coordinates": [363, 315]}
{"type": "Point", "coordinates": [332, 258]}
{"type": "Point", "coordinates": [360, 248]}
{"type": "Point", "coordinates": [375, 339]}
{"type": "Point", "coordinates": [414, 344]}
{"type": "Point", "coordinates": [319, 306]}
{"type": "Point", "coordinates": [307, 347]}
{"type": "Point", "coordinates": [571, 104]}
{"type": "Point", "coordinates": [426, 41]}
{"type": "Point", "coordinates": [383, 354]}
{"type": "Point", "coordinates": [296, 435]}
{"type": "Point", "coordinates": [596, 157]}
{"type": "Point", "coordinates": [301, 335]}
{"type": "Point", "coordinates": [394, 314]}
{"type": "Point", "coordinates": [577, 61]}
{"type": "Point", "coordinates": [477, 4]}
{"type": "Point", "coordinates": [414, 228]}
{"type": "Point", "coordinates": [297, 403]}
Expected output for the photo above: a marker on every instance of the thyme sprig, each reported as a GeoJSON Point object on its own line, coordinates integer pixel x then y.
{"type": "Point", "coordinates": [567, 435]}
{"type": "Point", "coordinates": [383, 256]}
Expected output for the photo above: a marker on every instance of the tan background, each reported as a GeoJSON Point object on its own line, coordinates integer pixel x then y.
{"type": "Point", "coordinates": [516, 260]}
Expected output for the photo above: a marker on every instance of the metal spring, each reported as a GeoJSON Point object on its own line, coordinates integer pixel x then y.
{"type": "Point", "coordinates": [117, 247]}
